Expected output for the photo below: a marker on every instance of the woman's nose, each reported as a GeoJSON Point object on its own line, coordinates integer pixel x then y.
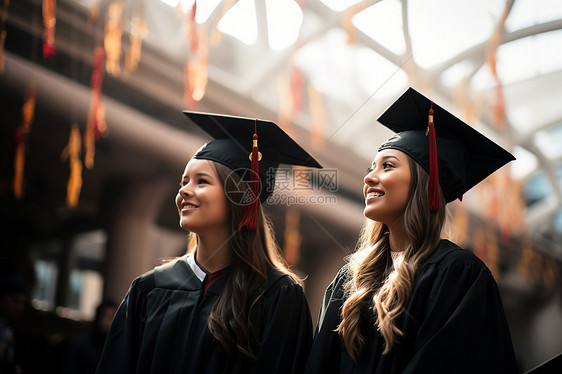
{"type": "Point", "coordinates": [185, 190]}
{"type": "Point", "coordinates": [371, 178]}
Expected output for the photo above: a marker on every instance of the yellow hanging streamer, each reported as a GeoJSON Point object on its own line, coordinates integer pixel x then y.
{"type": "Point", "coordinates": [318, 116]}
{"type": "Point", "coordinates": [72, 153]}
{"type": "Point", "coordinates": [22, 131]}
{"type": "Point", "coordinates": [293, 237]}
{"type": "Point", "coordinates": [138, 32]}
{"type": "Point", "coordinates": [197, 76]}
{"type": "Point", "coordinates": [112, 38]}
{"type": "Point", "coordinates": [491, 58]}
{"type": "Point", "coordinates": [4, 5]}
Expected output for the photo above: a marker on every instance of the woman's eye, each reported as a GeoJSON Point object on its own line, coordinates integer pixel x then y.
{"type": "Point", "coordinates": [386, 165]}
{"type": "Point", "coordinates": [202, 181]}
{"type": "Point", "coordinates": [183, 183]}
{"type": "Point", "coordinates": [369, 169]}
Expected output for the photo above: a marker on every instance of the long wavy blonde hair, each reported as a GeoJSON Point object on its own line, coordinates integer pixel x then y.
{"type": "Point", "coordinates": [373, 282]}
{"type": "Point", "coordinates": [253, 253]}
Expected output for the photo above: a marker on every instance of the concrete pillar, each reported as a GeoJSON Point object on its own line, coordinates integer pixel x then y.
{"type": "Point", "coordinates": [132, 213]}
{"type": "Point", "coordinates": [66, 262]}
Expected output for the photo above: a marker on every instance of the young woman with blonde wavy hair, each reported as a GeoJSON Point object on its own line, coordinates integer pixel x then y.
{"type": "Point", "coordinates": [231, 304]}
{"type": "Point", "coordinates": [409, 301]}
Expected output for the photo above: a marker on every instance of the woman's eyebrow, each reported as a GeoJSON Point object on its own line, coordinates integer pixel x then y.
{"type": "Point", "coordinates": [390, 156]}
{"type": "Point", "coordinates": [384, 158]}
{"type": "Point", "coordinates": [200, 174]}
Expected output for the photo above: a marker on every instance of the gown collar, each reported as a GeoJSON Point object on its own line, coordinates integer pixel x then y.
{"type": "Point", "coordinates": [200, 273]}
{"type": "Point", "coordinates": [176, 274]}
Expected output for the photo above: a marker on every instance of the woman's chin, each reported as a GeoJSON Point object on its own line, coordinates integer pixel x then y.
{"type": "Point", "coordinates": [368, 214]}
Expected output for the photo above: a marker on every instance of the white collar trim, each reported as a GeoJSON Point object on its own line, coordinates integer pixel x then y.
{"type": "Point", "coordinates": [196, 269]}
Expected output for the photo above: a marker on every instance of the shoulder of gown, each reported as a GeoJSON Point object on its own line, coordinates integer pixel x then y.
{"type": "Point", "coordinates": [455, 295]}
{"type": "Point", "coordinates": [286, 325]}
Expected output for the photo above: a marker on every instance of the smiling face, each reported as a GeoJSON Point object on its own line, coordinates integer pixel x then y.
{"type": "Point", "coordinates": [387, 187]}
{"type": "Point", "coordinates": [201, 200]}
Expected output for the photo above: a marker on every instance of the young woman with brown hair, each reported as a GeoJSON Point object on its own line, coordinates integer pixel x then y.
{"type": "Point", "coordinates": [230, 305]}
{"type": "Point", "coordinates": [409, 301]}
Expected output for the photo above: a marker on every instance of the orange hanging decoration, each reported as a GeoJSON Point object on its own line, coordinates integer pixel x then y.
{"type": "Point", "coordinates": [524, 263]}
{"type": "Point", "coordinates": [317, 116]}
{"type": "Point", "coordinates": [49, 22]}
{"type": "Point", "coordinates": [196, 69]}
{"type": "Point", "coordinates": [96, 125]}
{"type": "Point", "coordinates": [72, 153]}
{"type": "Point", "coordinates": [187, 76]}
{"type": "Point", "coordinates": [479, 243]}
{"type": "Point", "coordinates": [4, 5]}
{"type": "Point", "coordinates": [491, 58]}
{"type": "Point", "coordinates": [297, 86]}
{"type": "Point", "coordinates": [537, 266]}
{"type": "Point", "coordinates": [19, 162]}
{"type": "Point", "coordinates": [550, 274]}
{"type": "Point", "coordinates": [22, 132]}
{"type": "Point", "coordinates": [493, 199]}
{"type": "Point", "coordinates": [3, 35]}
{"type": "Point", "coordinates": [515, 205]}
{"type": "Point", "coordinates": [285, 103]}
{"type": "Point", "coordinates": [94, 12]}
{"type": "Point", "coordinates": [465, 104]}
{"type": "Point", "coordinates": [192, 37]}
{"type": "Point", "coordinates": [197, 78]}
{"type": "Point", "coordinates": [461, 224]}
{"type": "Point", "coordinates": [201, 78]}
{"type": "Point", "coordinates": [112, 38]}
{"type": "Point", "coordinates": [493, 251]}
{"type": "Point", "coordinates": [138, 32]}
{"type": "Point", "coordinates": [510, 207]}
{"type": "Point", "coordinates": [190, 68]}
{"type": "Point", "coordinates": [28, 109]}
{"type": "Point", "coordinates": [293, 237]}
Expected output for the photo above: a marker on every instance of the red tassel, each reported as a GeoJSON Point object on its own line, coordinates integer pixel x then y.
{"type": "Point", "coordinates": [433, 193]}
{"type": "Point", "coordinates": [250, 219]}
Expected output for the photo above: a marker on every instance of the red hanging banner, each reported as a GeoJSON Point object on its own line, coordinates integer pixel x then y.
{"type": "Point", "coordinates": [96, 125]}
{"type": "Point", "coordinates": [49, 22]}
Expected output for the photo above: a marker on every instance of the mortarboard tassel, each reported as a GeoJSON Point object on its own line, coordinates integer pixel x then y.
{"type": "Point", "coordinates": [433, 193]}
{"type": "Point", "coordinates": [250, 219]}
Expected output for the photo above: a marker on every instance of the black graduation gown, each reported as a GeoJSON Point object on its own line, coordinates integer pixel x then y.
{"type": "Point", "coordinates": [454, 323]}
{"type": "Point", "coordinates": [161, 327]}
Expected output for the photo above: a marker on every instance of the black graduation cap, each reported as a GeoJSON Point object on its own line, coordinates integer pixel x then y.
{"type": "Point", "coordinates": [236, 142]}
{"type": "Point", "coordinates": [448, 149]}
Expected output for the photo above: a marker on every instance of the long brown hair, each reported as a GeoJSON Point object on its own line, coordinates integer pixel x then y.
{"type": "Point", "coordinates": [373, 282]}
{"type": "Point", "coordinates": [253, 253]}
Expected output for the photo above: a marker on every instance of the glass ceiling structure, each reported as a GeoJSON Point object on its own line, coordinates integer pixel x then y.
{"type": "Point", "coordinates": [360, 55]}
